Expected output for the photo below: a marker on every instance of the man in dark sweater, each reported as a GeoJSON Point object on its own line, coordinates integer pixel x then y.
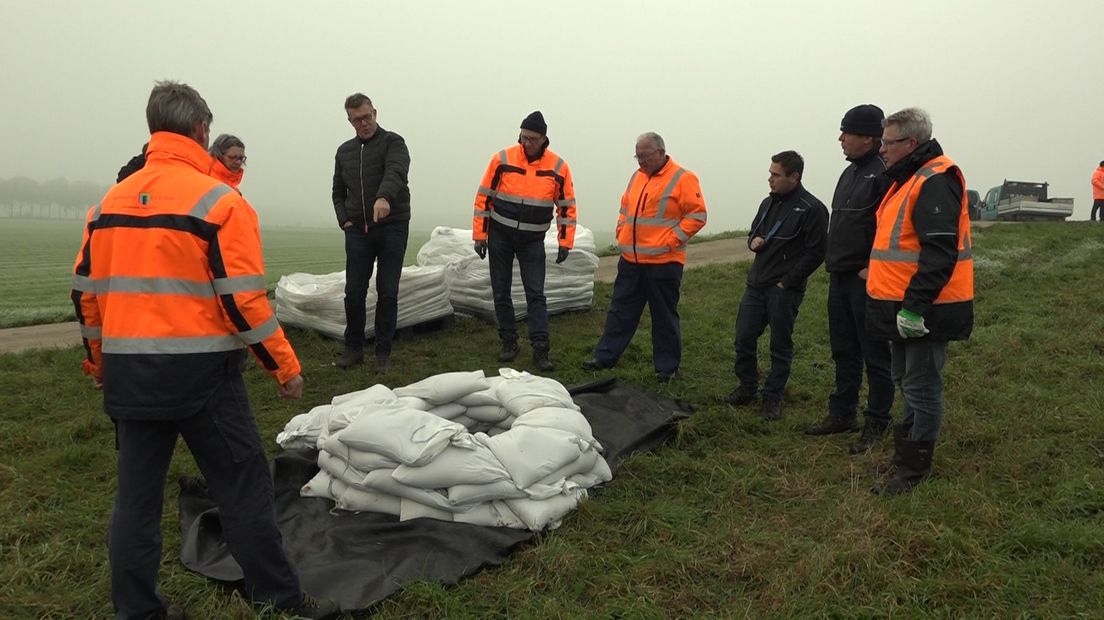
{"type": "Point", "coordinates": [371, 198]}
{"type": "Point", "coordinates": [788, 236]}
{"type": "Point", "coordinates": [850, 235]}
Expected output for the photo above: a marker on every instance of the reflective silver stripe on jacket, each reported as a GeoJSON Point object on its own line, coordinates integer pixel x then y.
{"type": "Point", "coordinates": [169, 286]}
{"type": "Point", "coordinates": [208, 200]}
{"type": "Point", "coordinates": [647, 250]}
{"type": "Point", "coordinates": [91, 333]}
{"type": "Point", "coordinates": [184, 344]}
{"type": "Point", "coordinates": [481, 213]}
{"type": "Point", "coordinates": [665, 197]}
{"type": "Point", "coordinates": [260, 332]}
{"type": "Point", "coordinates": [502, 219]}
{"type": "Point", "coordinates": [565, 202]}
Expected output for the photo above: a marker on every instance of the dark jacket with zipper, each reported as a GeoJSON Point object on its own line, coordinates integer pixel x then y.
{"type": "Point", "coordinates": [854, 213]}
{"type": "Point", "coordinates": [935, 218]}
{"type": "Point", "coordinates": [365, 170]}
{"type": "Point", "coordinates": [795, 229]}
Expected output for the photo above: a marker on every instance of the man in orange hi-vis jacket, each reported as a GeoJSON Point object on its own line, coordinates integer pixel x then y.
{"type": "Point", "coordinates": [1098, 192]}
{"type": "Point", "coordinates": [661, 209]}
{"type": "Point", "coordinates": [524, 189]}
{"type": "Point", "coordinates": [169, 289]}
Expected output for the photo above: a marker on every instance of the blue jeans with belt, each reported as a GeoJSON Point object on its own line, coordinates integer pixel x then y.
{"type": "Point", "coordinates": [918, 371]}
{"type": "Point", "coordinates": [503, 244]}
{"type": "Point", "coordinates": [385, 244]}
{"type": "Point", "coordinates": [760, 307]}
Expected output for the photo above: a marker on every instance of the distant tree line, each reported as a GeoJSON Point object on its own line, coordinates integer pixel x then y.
{"type": "Point", "coordinates": [57, 199]}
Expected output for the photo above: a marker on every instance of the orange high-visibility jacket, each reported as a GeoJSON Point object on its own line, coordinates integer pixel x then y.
{"type": "Point", "coordinates": [224, 174]}
{"type": "Point", "coordinates": [525, 195]}
{"type": "Point", "coordinates": [1098, 183]}
{"type": "Point", "coordinates": [659, 214]}
{"type": "Point", "coordinates": [895, 257]}
{"type": "Point", "coordinates": [171, 266]}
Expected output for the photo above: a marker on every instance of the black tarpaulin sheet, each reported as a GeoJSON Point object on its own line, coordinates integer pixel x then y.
{"type": "Point", "coordinates": [358, 559]}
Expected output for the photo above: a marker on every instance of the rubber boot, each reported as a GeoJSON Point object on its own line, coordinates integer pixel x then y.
{"type": "Point", "coordinates": [913, 467]}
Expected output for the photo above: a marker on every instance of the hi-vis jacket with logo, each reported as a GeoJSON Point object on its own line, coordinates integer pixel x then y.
{"type": "Point", "coordinates": [169, 287]}
{"type": "Point", "coordinates": [922, 258]}
{"type": "Point", "coordinates": [524, 195]}
{"type": "Point", "coordinates": [659, 213]}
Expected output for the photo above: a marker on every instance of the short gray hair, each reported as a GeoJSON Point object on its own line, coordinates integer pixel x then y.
{"type": "Point", "coordinates": [176, 107]}
{"type": "Point", "coordinates": [911, 123]}
{"type": "Point", "coordinates": [656, 139]}
{"type": "Point", "coordinates": [224, 143]}
{"type": "Point", "coordinates": [356, 100]}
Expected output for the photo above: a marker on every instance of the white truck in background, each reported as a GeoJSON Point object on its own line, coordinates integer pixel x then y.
{"type": "Point", "coordinates": [1023, 200]}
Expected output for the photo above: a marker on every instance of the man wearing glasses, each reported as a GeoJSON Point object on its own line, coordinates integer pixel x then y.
{"type": "Point", "coordinates": [850, 235]}
{"type": "Point", "coordinates": [920, 285]}
{"type": "Point", "coordinates": [660, 211]}
{"type": "Point", "coordinates": [788, 236]}
{"type": "Point", "coordinates": [371, 198]}
{"type": "Point", "coordinates": [524, 188]}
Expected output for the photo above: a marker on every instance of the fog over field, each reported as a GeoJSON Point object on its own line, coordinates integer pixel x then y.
{"type": "Point", "coordinates": [1013, 88]}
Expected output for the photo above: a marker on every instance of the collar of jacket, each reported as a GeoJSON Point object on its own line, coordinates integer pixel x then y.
{"type": "Point", "coordinates": [379, 132]}
{"type": "Point", "coordinates": [902, 170]}
{"type": "Point", "coordinates": [166, 147]}
{"type": "Point", "coordinates": [796, 191]}
{"type": "Point", "coordinates": [224, 174]}
{"type": "Point", "coordinates": [865, 158]}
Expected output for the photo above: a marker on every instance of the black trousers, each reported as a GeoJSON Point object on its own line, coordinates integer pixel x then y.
{"type": "Point", "coordinates": [852, 350]}
{"type": "Point", "coordinates": [1098, 205]}
{"type": "Point", "coordinates": [385, 244]}
{"type": "Point", "coordinates": [224, 440]}
{"type": "Point", "coordinates": [503, 246]}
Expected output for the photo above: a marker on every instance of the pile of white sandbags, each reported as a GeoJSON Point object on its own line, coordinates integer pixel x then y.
{"type": "Point", "coordinates": [510, 451]}
{"type": "Point", "coordinates": [567, 286]}
{"type": "Point", "coordinates": [318, 301]}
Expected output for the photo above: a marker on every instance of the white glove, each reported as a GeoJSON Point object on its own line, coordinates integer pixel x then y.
{"type": "Point", "coordinates": [910, 324]}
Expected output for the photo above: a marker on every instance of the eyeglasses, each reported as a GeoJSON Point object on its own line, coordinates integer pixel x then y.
{"type": "Point", "coordinates": [362, 120]}
{"type": "Point", "coordinates": [240, 158]}
{"type": "Point", "coordinates": [643, 156]}
{"type": "Point", "coordinates": [892, 141]}
{"type": "Point", "coordinates": [530, 139]}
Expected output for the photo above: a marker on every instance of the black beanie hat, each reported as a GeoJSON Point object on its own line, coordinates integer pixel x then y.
{"type": "Point", "coordinates": [535, 122]}
{"type": "Point", "coordinates": [863, 120]}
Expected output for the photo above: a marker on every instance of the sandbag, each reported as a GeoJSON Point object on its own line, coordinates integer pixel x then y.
{"type": "Point", "coordinates": [476, 465]}
{"type": "Point", "coordinates": [406, 435]}
{"type": "Point", "coordinates": [364, 461]}
{"type": "Point", "coordinates": [467, 494]}
{"type": "Point", "coordinates": [446, 387]}
{"type": "Point", "coordinates": [356, 499]}
{"type": "Point", "coordinates": [323, 485]}
{"type": "Point", "coordinates": [522, 392]}
{"type": "Point", "coordinates": [381, 481]}
{"type": "Point", "coordinates": [302, 431]}
{"type": "Point", "coordinates": [531, 454]}
{"type": "Point", "coordinates": [490, 514]}
{"type": "Point", "coordinates": [539, 514]}
{"type": "Point", "coordinates": [563, 418]}
{"type": "Point", "coordinates": [415, 510]}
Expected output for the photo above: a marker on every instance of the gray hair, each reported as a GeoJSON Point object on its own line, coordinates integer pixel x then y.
{"type": "Point", "coordinates": [656, 139]}
{"type": "Point", "coordinates": [224, 143]}
{"type": "Point", "coordinates": [911, 123]}
{"type": "Point", "coordinates": [356, 100]}
{"type": "Point", "coordinates": [176, 107]}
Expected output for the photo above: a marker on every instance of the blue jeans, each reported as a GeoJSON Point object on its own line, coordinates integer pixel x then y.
{"type": "Point", "coordinates": [760, 307]}
{"type": "Point", "coordinates": [226, 445]}
{"type": "Point", "coordinates": [917, 370]}
{"type": "Point", "coordinates": [503, 245]}
{"type": "Point", "coordinates": [386, 244]}
{"type": "Point", "coordinates": [637, 285]}
{"type": "Point", "coordinates": [851, 350]}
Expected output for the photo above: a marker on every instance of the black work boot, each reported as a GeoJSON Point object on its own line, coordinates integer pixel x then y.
{"type": "Point", "coordinates": [593, 364]}
{"type": "Point", "coordinates": [349, 358]}
{"type": "Point", "coordinates": [540, 357]}
{"type": "Point", "coordinates": [772, 408]}
{"type": "Point", "coordinates": [313, 609]}
{"type": "Point", "coordinates": [872, 433]}
{"type": "Point", "coordinates": [742, 395]}
{"type": "Point", "coordinates": [900, 436]}
{"type": "Point", "coordinates": [913, 467]}
{"type": "Point", "coordinates": [510, 350]}
{"type": "Point", "coordinates": [383, 362]}
{"type": "Point", "coordinates": [832, 424]}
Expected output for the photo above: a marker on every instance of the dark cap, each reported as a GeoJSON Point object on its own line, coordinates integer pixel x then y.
{"type": "Point", "coordinates": [535, 122]}
{"type": "Point", "coordinates": [863, 120]}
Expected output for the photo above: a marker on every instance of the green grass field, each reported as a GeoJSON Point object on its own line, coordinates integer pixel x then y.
{"type": "Point", "coordinates": [36, 263]}
{"type": "Point", "coordinates": [738, 518]}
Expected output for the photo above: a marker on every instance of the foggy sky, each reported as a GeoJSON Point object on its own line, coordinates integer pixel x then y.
{"type": "Point", "coordinates": [1013, 88]}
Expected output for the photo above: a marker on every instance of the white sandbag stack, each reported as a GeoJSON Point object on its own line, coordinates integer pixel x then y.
{"type": "Point", "coordinates": [318, 301]}
{"type": "Point", "coordinates": [412, 453]}
{"type": "Point", "coordinates": [567, 286]}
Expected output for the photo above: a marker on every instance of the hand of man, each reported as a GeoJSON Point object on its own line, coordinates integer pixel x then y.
{"type": "Point", "coordinates": [293, 389]}
{"type": "Point", "coordinates": [756, 243]}
{"type": "Point", "coordinates": [863, 272]}
{"type": "Point", "coordinates": [347, 224]}
{"type": "Point", "coordinates": [481, 249]}
{"type": "Point", "coordinates": [910, 324]}
{"type": "Point", "coordinates": [380, 209]}
{"type": "Point", "coordinates": [561, 255]}
{"type": "Point", "coordinates": [97, 383]}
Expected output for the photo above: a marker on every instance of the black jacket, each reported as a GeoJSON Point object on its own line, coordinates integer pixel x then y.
{"type": "Point", "coordinates": [935, 218]}
{"type": "Point", "coordinates": [795, 228]}
{"type": "Point", "coordinates": [368, 169]}
{"type": "Point", "coordinates": [854, 213]}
